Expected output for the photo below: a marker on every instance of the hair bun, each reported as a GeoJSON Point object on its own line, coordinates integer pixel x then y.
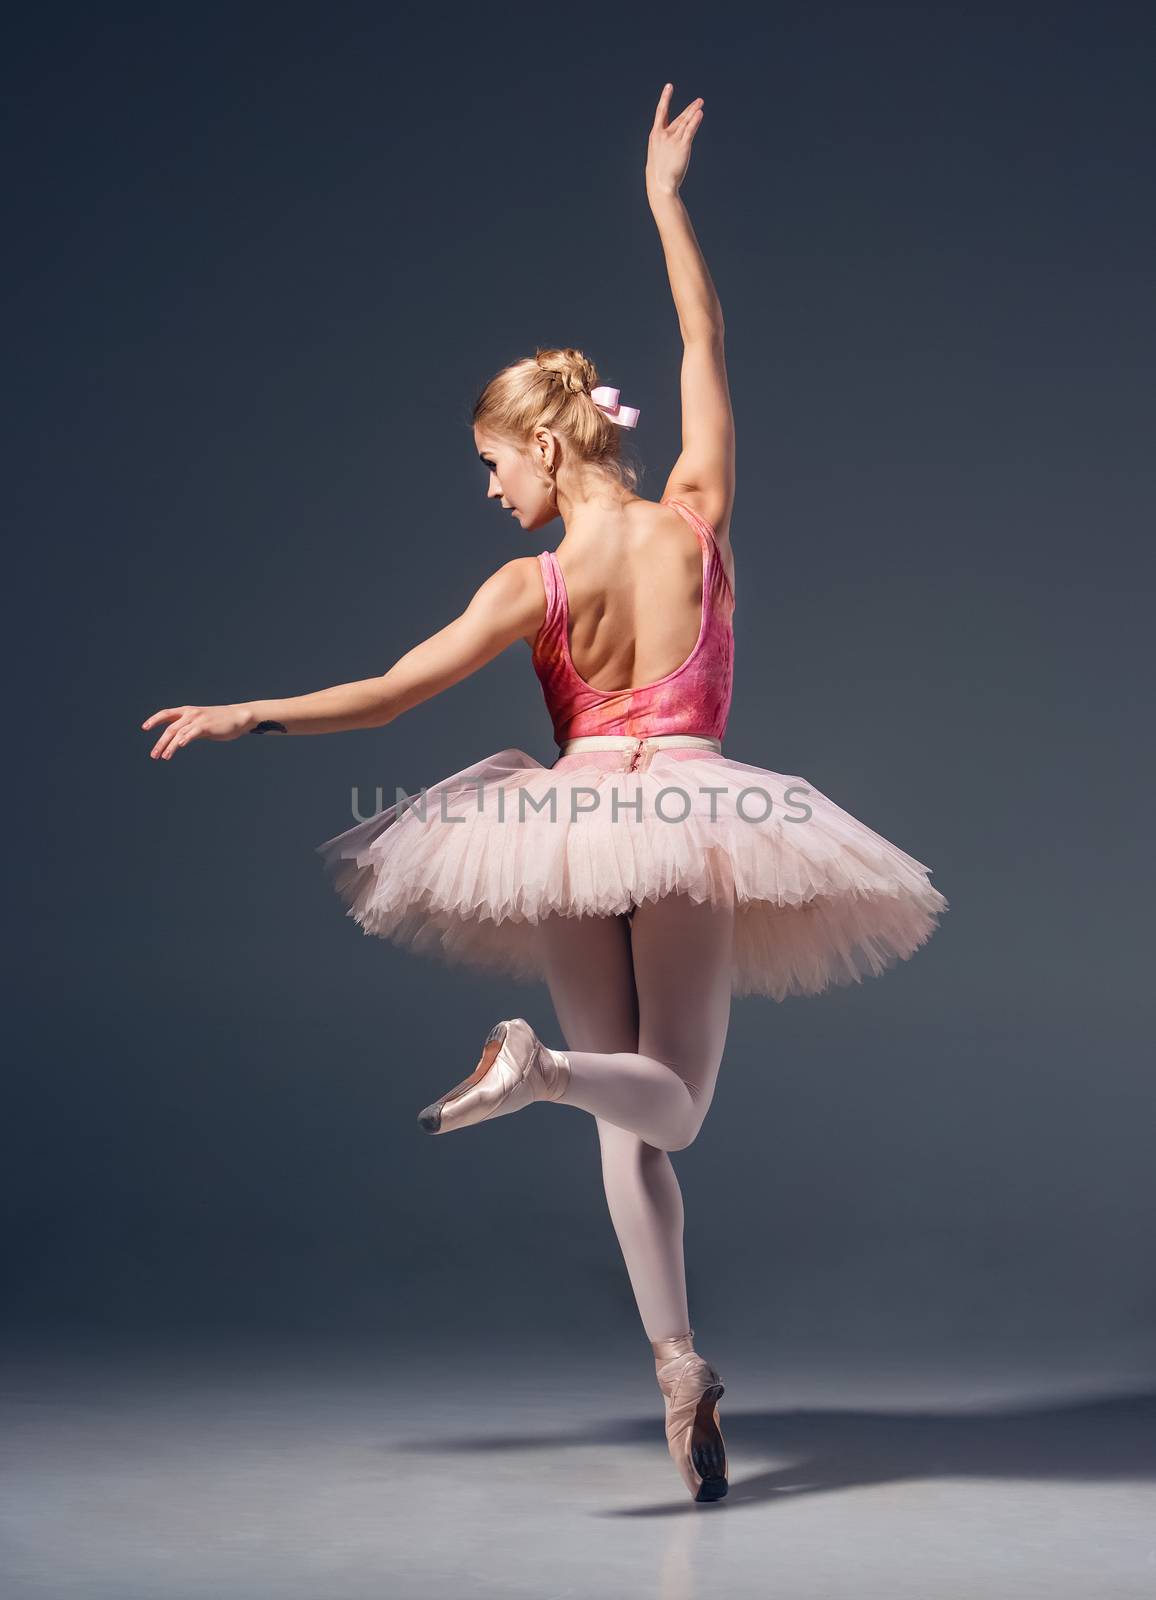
{"type": "Point", "coordinates": [570, 367]}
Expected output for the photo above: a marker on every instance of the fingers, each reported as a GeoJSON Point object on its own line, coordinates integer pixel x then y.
{"type": "Point", "coordinates": [175, 735]}
{"type": "Point", "coordinates": [163, 748]}
{"type": "Point", "coordinates": [692, 114]}
{"type": "Point", "coordinates": [173, 712]}
{"type": "Point", "coordinates": [663, 103]}
{"type": "Point", "coordinates": [690, 117]}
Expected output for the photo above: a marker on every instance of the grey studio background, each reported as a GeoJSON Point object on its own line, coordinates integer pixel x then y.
{"type": "Point", "coordinates": [260, 264]}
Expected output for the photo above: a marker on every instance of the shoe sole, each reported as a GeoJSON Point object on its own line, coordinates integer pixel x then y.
{"type": "Point", "coordinates": [431, 1118]}
{"type": "Point", "coordinates": [706, 1436]}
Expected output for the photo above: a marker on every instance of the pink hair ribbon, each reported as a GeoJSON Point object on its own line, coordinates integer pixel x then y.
{"type": "Point", "coordinates": [606, 399]}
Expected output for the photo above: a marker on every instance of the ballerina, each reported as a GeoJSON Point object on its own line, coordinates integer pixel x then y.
{"type": "Point", "coordinates": [644, 876]}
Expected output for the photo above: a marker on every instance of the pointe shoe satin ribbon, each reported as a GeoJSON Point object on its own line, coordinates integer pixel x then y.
{"type": "Point", "coordinates": [515, 1068]}
{"type": "Point", "coordinates": [691, 1388]}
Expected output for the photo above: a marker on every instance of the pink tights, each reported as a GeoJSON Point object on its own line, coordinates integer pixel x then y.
{"type": "Point", "coordinates": [644, 1006]}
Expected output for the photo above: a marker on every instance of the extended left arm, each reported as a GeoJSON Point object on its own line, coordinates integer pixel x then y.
{"type": "Point", "coordinates": [507, 606]}
{"type": "Point", "coordinates": [500, 612]}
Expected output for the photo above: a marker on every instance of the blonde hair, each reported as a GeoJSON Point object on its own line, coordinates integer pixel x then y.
{"type": "Point", "coordinates": [551, 389]}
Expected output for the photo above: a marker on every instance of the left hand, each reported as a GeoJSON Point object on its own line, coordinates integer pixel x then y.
{"type": "Point", "coordinates": [668, 151]}
{"type": "Point", "coordinates": [186, 723]}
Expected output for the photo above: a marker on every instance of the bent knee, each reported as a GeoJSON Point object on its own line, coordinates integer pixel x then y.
{"type": "Point", "coordinates": [689, 1124]}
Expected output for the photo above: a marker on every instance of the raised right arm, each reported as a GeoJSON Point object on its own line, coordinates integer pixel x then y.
{"type": "Point", "coordinates": [704, 474]}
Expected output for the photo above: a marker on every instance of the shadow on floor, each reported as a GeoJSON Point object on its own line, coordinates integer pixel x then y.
{"type": "Point", "coordinates": [1077, 1441]}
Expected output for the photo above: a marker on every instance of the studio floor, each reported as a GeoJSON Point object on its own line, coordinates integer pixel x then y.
{"type": "Point", "coordinates": [333, 1475]}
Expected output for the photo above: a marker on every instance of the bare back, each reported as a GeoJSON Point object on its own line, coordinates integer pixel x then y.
{"type": "Point", "coordinates": [635, 597]}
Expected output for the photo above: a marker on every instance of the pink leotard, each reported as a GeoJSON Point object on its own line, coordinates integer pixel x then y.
{"type": "Point", "coordinates": [694, 698]}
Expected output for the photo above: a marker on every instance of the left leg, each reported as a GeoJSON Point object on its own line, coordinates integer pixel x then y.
{"type": "Point", "coordinates": [681, 950]}
{"type": "Point", "coordinates": [680, 955]}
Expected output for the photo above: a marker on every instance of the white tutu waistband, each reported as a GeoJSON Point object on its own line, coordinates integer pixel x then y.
{"type": "Point", "coordinates": [626, 741]}
{"type": "Point", "coordinates": [640, 748]}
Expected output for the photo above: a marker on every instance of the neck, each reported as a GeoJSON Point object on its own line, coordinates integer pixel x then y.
{"type": "Point", "coordinates": [590, 505]}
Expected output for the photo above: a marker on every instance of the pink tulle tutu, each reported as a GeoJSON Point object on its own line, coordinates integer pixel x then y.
{"type": "Point", "coordinates": [470, 865]}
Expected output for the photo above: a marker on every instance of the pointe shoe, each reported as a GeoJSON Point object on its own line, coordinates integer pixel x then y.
{"type": "Point", "coordinates": [691, 1388]}
{"type": "Point", "coordinates": [515, 1068]}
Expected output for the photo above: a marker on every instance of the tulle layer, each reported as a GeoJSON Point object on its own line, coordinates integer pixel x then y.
{"type": "Point", "coordinates": [465, 869]}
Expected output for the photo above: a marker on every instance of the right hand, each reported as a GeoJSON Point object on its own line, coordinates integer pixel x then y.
{"type": "Point", "coordinates": [186, 723]}
{"type": "Point", "coordinates": [668, 150]}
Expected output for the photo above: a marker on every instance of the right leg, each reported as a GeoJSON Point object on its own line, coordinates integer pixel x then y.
{"type": "Point", "coordinates": [680, 955]}
{"type": "Point", "coordinates": [630, 1000]}
{"type": "Point", "coordinates": [591, 980]}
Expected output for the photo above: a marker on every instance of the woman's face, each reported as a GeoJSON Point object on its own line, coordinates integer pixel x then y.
{"type": "Point", "coordinates": [518, 479]}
